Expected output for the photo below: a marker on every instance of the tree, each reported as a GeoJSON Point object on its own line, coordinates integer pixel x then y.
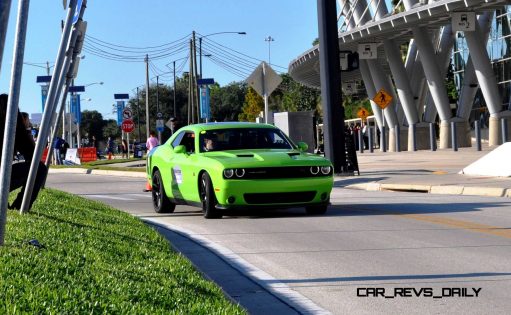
{"type": "Point", "coordinates": [111, 129]}
{"type": "Point", "coordinates": [92, 124]}
{"type": "Point", "coordinates": [252, 106]}
{"type": "Point", "coordinates": [227, 102]}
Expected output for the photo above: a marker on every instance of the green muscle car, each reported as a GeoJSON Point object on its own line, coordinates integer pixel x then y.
{"type": "Point", "coordinates": [235, 165]}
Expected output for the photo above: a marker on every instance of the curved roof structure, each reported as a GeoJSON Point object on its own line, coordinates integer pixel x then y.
{"type": "Point", "coordinates": [305, 68]}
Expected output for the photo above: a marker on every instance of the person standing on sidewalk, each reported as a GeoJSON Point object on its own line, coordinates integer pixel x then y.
{"type": "Point", "coordinates": [152, 141]}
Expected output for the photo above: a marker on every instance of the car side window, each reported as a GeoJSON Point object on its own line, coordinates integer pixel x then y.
{"type": "Point", "coordinates": [177, 140]}
{"type": "Point", "coordinates": [188, 140]}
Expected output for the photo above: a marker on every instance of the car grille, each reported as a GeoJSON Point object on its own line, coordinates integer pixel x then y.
{"type": "Point", "coordinates": [279, 172]}
{"type": "Point", "coordinates": [290, 197]}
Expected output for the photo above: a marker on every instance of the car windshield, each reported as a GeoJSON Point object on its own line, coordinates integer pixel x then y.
{"type": "Point", "coordinates": [243, 139]}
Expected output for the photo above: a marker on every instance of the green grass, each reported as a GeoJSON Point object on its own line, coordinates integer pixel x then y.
{"type": "Point", "coordinates": [96, 260]}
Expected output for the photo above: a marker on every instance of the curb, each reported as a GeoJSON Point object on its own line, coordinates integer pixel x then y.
{"type": "Point", "coordinates": [97, 172]}
{"type": "Point", "coordinates": [435, 189]}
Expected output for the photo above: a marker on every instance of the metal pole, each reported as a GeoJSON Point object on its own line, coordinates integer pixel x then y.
{"type": "Point", "coordinates": [195, 85]}
{"type": "Point", "coordinates": [56, 126]}
{"type": "Point", "coordinates": [454, 136]}
{"type": "Point", "coordinates": [50, 102]}
{"type": "Point", "coordinates": [200, 57]}
{"type": "Point", "coordinates": [174, 90]}
{"type": "Point", "coordinates": [398, 138]}
{"type": "Point", "coordinates": [333, 114]}
{"type": "Point", "coordinates": [383, 140]}
{"type": "Point", "coordinates": [370, 134]}
{"type": "Point", "coordinates": [265, 95]}
{"type": "Point", "coordinates": [414, 136]}
{"type": "Point", "coordinates": [12, 113]}
{"type": "Point", "coordinates": [477, 128]}
{"type": "Point", "coordinates": [147, 122]}
{"type": "Point", "coordinates": [432, 136]}
{"type": "Point", "coordinates": [503, 127]}
{"type": "Point", "coordinates": [138, 116]}
{"type": "Point", "coordinates": [158, 104]}
{"type": "Point", "coordinates": [360, 141]}
{"type": "Point", "coordinates": [5, 9]}
{"type": "Point", "coordinates": [128, 140]}
{"type": "Point", "coordinates": [70, 125]}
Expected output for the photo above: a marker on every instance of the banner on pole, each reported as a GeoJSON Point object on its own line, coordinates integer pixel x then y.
{"type": "Point", "coordinates": [120, 108]}
{"type": "Point", "coordinates": [75, 108]}
{"type": "Point", "coordinates": [204, 103]}
{"type": "Point", "coordinates": [44, 94]}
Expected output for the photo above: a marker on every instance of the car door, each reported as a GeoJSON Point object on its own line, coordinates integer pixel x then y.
{"type": "Point", "coordinates": [184, 168]}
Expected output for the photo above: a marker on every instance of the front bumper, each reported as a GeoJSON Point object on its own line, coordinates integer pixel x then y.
{"type": "Point", "coordinates": [278, 193]}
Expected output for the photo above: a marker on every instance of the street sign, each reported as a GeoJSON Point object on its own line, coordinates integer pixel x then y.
{"type": "Point", "coordinates": [270, 77]}
{"type": "Point", "coordinates": [127, 125]}
{"type": "Point", "coordinates": [121, 96]}
{"type": "Point", "coordinates": [78, 8]}
{"type": "Point", "coordinates": [120, 109]}
{"type": "Point", "coordinates": [160, 125]}
{"type": "Point", "coordinates": [43, 78]}
{"type": "Point", "coordinates": [205, 81]}
{"type": "Point", "coordinates": [205, 111]}
{"type": "Point", "coordinates": [349, 88]}
{"type": "Point", "coordinates": [463, 21]}
{"type": "Point", "coordinates": [367, 51]}
{"type": "Point", "coordinates": [362, 113]}
{"type": "Point", "coordinates": [382, 99]}
{"type": "Point", "coordinates": [127, 113]}
{"type": "Point", "coordinates": [76, 88]}
{"type": "Point", "coordinates": [159, 115]}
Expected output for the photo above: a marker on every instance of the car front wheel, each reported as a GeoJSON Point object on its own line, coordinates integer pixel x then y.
{"type": "Point", "coordinates": [207, 197]}
{"type": "Point", "coordinates": [161, 202]}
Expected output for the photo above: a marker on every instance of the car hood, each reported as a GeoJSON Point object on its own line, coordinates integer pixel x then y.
{"type": "Point", "coordinates": [266, 158]}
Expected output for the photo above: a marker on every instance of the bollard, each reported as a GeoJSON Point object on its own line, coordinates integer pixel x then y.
{"type": "Point", "coordinates": [371, 149]}
{"type": "Point", "coordinates": [398, 138]}
{"type": "Point", "coordinates": [432, 136]}
{"type": "Point", "coordinates": [503, 127]}
{"type": "Point", "coordinates": [383, 140]}
{"type": "Point", "coordinates": [360, 141]}
{"type": "Point", "coordinates": [477, 128]}
{"type": "Point", "coordinates": [454, 136]}
{"type": "Point", "coordinates": [414, 136]}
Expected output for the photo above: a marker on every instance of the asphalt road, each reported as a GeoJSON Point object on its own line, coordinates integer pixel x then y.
{"type": "Point", "coordinates": [373, 252]}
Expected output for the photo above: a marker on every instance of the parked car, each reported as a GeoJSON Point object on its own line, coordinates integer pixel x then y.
{"type": "Point", "coordinates": [220, 166]}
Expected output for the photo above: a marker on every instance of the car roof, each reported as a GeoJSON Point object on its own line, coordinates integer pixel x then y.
{"type": "Point", "coordinates": [224, 125]}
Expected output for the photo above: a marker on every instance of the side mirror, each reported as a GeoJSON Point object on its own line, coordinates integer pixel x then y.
{"type": "Point", "coordinates": [180, 149]}
{"type": "Point", "coordinates": [302, 146]}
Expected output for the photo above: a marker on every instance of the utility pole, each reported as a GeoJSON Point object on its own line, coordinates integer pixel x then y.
{"type": "Point", "coordinates": [191, 102]}
{"type": "Point", "coordinates": [174, 90]}
{"type": "Point", "coordinates": [195, 86]}
{"type": "Point", "coordinates": [138, 116]}
{"type": "Point", "coordinates": [158, 104]}
{"type": "Point", "coordinates": [269, 39]}
{"type": "Point", "coordinates": [147, 122]}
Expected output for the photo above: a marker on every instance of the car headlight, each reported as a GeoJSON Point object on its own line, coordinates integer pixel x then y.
{"type": "Point", "coordinates": [240, 172]}
{"type": "Point", "coordinates": [228, 173]}
{"type": "Point", "coordinates": [314, 170]}
{"type": "Point", "coordinates": [325, 170]}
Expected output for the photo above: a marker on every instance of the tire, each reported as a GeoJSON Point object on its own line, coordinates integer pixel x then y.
{"type": "Point", "coordinates": [316, 210]}
{"type": "Point", "coordinates": [161, 203]}
{"type": "Point", "coordinates": [207, 198]}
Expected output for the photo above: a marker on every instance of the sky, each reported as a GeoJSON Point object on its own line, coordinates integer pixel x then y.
{"type": "Point", "coordinates": [149, 23]}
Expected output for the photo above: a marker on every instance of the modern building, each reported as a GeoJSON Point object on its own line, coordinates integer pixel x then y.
{"type": "Point", "coordinates": [408, 48]}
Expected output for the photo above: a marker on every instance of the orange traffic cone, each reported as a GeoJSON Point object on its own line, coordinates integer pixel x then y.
{"type": "Point", "coordinates": [148, 186]}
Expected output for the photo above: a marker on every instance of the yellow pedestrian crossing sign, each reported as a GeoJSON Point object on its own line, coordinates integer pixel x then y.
{"type": "Point", "coordinates": [382, 99]}
{"type": "Point", "coordinates": [362, 113]}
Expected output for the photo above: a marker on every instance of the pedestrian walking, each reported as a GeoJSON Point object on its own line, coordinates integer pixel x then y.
{"type": "Point", "coordinates": [152, 141]}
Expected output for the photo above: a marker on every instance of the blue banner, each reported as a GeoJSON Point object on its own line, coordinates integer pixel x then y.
{"type": "Point", "coordinates": [76, 111]}
{"type": "Point", "coordinates": [204, 103]}
{"type": "Point", "coordinates": [120, 108]}
{"type": "Point", "coordinates": [44, 94]}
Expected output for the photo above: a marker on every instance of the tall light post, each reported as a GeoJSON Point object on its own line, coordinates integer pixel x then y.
{"type": "Point", "coordinates": [200, 46]}
{"type": "Point", "coordinates": [269, 39]}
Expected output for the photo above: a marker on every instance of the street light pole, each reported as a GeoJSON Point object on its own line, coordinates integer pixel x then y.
{"type": "Point", "coordinates": [174, 112]}
{"type": "Point", "coordinates": [269, 39]}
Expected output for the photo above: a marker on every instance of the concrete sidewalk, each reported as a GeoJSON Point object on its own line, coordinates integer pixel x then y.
{"type": "Point", "coordinates": [425, 171]}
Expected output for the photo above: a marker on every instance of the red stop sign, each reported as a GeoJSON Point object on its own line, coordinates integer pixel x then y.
{"type": "Point", "coordinates": [127, 125]}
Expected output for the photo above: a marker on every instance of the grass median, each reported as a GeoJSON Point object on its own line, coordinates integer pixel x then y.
{"type": "Point", "coordinates": [95, 259]}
